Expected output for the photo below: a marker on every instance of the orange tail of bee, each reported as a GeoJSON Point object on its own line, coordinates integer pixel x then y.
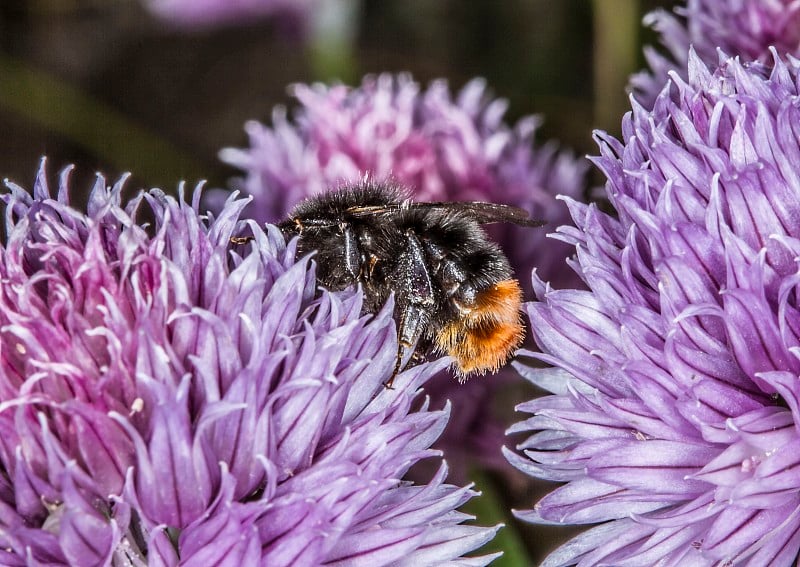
{"type": "Point", "coordinates": [487, 333]}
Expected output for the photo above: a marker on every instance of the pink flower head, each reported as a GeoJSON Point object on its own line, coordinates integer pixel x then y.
{"type": "Point", "coordinates": [744, 28]}
{"type": "Point", "coordinates": [211, 13]}
{"type": "Point", "coordinates": [441, 148]}
{"type": "Point", "coordinates": [165, 400]}
{"type": "Point", "coordinates": [673, 419]}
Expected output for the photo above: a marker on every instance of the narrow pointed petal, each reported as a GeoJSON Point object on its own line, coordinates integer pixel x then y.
{"type": "Point", "coordinates": [676, 422]}
{"type": "Point", "coordinates": [166, 399]}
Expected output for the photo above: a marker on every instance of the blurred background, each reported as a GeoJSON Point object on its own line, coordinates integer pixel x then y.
{"type": "Point", "coordinates": [110, 86]}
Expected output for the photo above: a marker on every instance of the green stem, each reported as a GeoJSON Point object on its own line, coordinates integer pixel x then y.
{"type": "Point", "coordinates": [489, 510]}
{"type": "Point", "coordinates": [332, 42]}
{"type": "Point", "coordinates": [616, 54]}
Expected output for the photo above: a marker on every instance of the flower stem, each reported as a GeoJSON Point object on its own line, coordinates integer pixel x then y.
{"type": "Point", "coordinates": [490, 509]}
{"type": "Point", "coordinates": [616, 55]}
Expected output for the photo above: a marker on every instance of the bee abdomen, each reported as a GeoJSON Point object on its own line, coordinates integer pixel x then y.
{"type": "Point", "coordinates": [487, 332]}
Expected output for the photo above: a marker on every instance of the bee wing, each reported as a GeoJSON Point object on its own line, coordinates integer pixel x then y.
{"type": "Point", "coordinates": [484, 213]}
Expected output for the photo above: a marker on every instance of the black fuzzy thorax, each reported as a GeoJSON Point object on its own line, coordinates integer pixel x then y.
{"type": "Point", "coordinates": [457, 256]}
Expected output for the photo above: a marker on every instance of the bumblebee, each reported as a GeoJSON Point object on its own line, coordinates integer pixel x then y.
{"type": "Point", "coordinates": [454, 289]}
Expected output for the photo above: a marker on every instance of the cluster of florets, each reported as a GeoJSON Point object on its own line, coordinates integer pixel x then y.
{"type": "Point", "coordinates": [745, 28]}
{"type": "Point", "coordinates": [167, 401]}
{"type": "Point", "coordinates": [673, 420]}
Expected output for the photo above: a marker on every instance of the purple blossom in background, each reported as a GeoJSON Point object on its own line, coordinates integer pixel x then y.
{"type": "Point", "coordinates": [210, 13]}
{"type": "Point", "coordinates": [441, 148]}
{"type": "Point", "coordinates": [165, 401]}
{"type": "Point", "coordinates": [747, 28]}
{"type": "Point", "coordinates": [674, 412]}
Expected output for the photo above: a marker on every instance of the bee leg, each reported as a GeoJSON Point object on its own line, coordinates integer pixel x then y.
{"type": "Point", "coordinates": [415, 298]}
{"type": "Point", "coordinates": [417, 357]}
{"type": "Point", "coordinates": [352, 253]}
{"type": "Point", "coordinates": [242, 239]}
{"type": "Point", "coordinates": [413, 322]}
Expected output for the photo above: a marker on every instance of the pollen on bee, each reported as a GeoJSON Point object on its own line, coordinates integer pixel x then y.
{"type": "Point", "coordinates": [486, 335]}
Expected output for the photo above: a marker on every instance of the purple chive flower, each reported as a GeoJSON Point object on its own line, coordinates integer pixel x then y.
{"type": "Point", "coordinates": [166, 401]}
{"type": "Point", "coordinates": [747, 28]}
{"type": "Point", "coordinates": [208, 13]}
{"type": "Point", "coordinates": [673, 418]}
{"type": "Point", "coordinates": [442, 148]}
